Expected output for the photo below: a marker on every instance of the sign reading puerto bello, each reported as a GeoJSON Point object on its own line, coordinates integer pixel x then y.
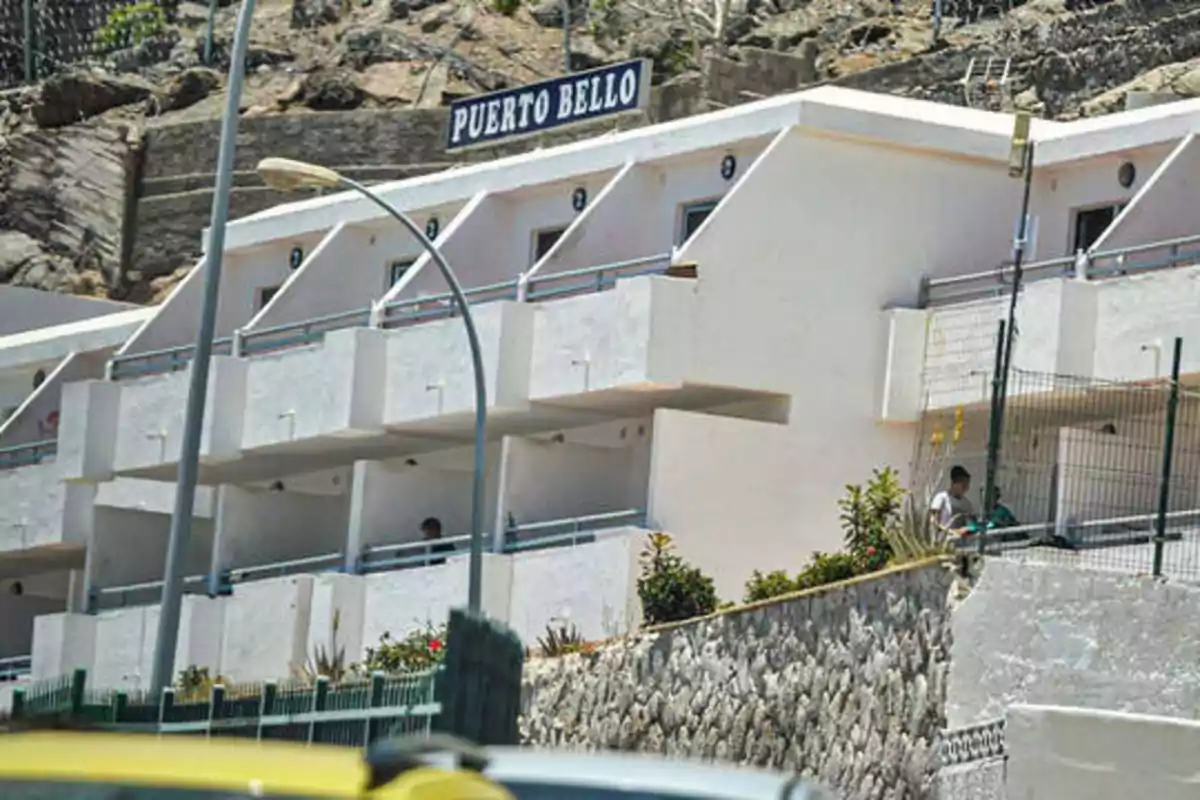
{"type": "Point", "coordinates": [554, 103]}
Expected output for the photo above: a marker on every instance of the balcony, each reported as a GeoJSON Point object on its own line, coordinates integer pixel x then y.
{"type": "Point", "coordinates": [633, 339]}
{"type": "Point", "coordinates": [38, 512]}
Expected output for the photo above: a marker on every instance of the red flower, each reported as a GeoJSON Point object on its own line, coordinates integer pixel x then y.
{"type": "Point", "coordinates": [871, 551]}
{"type": "Point", "coordinates": [435, 645]}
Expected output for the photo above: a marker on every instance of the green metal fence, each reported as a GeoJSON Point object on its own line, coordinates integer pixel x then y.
{"type": "Point", "coordinates": [474, 694]}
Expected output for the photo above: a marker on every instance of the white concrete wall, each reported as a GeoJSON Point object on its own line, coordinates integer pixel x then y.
{"type": "Point", "coordinates": [125, 642]}
{"type": "Point", "coordinates": [584, 474]}
{"type": "Point", "coordinates": [1060, 190]}
{"type": "Point", "coordinates": [62, 643]}
{"type": "Point", "coordinates": [151, 414]}
{"type": "Point", "coordinates": [396, 497]}
{"type": "Point", "coordinates": [130, 547]}
{"type": "Point", "coordinates": [34, 420]}
{"type": "Point", "coordinates": [23, 309]}
{"type": "Point", "coordinates": [246, 272]}
{"type": "Point", "coordinates": [39, 594]}
{"type": "Point", "coordinates": [1155, 212]}
{"type": "Point", "coordinates": [1060, 753]}
{"type": "Point", "coordinates": [630, 336]}
{"type": "Point", "coordinates": [407, 600]}
{"type": "Point", "coordinates": [336, 390]}
{"type": "Point", "coordinates": [155, 497]}
{"type": "Point", "coordinates": [339, 599]}
{"type": "Point", "coordinates": [87, 435]}
{"type": "Point", "coordinates": [1147, 311]}
{"type": "Point", "coordinates": [1057, 634]}
{"type": "Point", "coordinates": [256, 527]}
{"type": "Point", "coordinates": [429, 368]}
{"type": "Point", "coordinates": [266, 629]}
{"type": "Point", "coordinates": [32, 507]}
{"type": "Point", "coordinates": [591, 586]}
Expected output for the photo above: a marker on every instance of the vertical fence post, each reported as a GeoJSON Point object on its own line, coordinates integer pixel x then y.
{"type": "Point", "coordinates": [1164, 481]}
{"type": "Point", "coordinates": [995, 429]}
{"type": "Point", "coordinates": [18, 703]}
{"type": "Point", "coordinates": [266, 707]}
{"type": "Point", "coordinates": [78, 682]}
{"type": "Point", "coordinates": [166, 707]}
{"type": "Point", "coordinates": [119, 701]}
{"type": "Point", "coordinates": [216, 706]}
{"type": "Point", "coordinates": [376, 701]}
{"type": "Point", "coordinates": [320, 696]}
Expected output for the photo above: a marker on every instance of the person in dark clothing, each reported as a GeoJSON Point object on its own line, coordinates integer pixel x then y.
{"type": "Point", "coordinates": [431, 531]}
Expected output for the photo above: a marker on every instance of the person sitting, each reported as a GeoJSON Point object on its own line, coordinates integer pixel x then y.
{"type": "Point", "coordinates": [950, 510]}
{"type": "Point", "coordinates": [431, 531]}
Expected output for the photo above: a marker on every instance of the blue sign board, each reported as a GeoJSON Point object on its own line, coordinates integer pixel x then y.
{"type": "Point", "coordinates": [554, 103]}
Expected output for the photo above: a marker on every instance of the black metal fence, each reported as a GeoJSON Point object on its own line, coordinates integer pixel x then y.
{"type": "Point", "coordinates": [40, 37]}
{"type": "Point", "coordinates": [475, 694]}
{"type": "Point", "coordinates": [1081, 475]}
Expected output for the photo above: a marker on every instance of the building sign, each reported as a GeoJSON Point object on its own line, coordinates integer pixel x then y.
{"type": "Point", "coordinates": [550, 104]}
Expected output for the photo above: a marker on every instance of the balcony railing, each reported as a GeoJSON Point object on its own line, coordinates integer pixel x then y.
{"type": "Point", "coordinates": [1149, 257]}
{"type": "Point", "coordinates": [14, 668]}
{"type": "Point", "coordinates": [569, 532]}
{"type": "Point", "coordinates": [157, 362]}
{"type": "Point", "coordinates": [139, 594]}
{"type": "Point", "coordinates": [24, 455]}
{"type": "Point", "coordinates": [327, 562]}
{"type": "Point", "coordinates": [299, 334]}
{"type": "Point", "coordinates": [392, 315]}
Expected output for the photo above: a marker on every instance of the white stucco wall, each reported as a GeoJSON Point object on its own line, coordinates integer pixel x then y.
{"type": "Point", "coordinates": [1059, 753]}
{"type": "Point", "coordinates": [32, 506]}
{"type": "Point", "coordinates": [1054, 634]}
{"type": "Point", "coordinates": [258, 646]}
{"type": "Point", "coordinates": [591, 586]}
{"type": "Point", "coordinates": [429, 372]}
{"type": "Point", "coordinates": [397, 497]}
{"type": "Point", "coordinates": [256, 527]}
{"type": "Point", "coordinates": [151, 415]}
{"type": "Point", "coordinates": [548, 480]}
{"type": "Point", "coordinates": [131, 547]}
{"type": "Point", "coordinates": [406, 600]}
{"type": "Point", "coordinates": [87, 434]}
{"type": "Point", "coordinates": [126, 639]}
{"type": "Point", "coordinates": [335, 390]}
{"type": "Point", "coordinates": [62, 643]}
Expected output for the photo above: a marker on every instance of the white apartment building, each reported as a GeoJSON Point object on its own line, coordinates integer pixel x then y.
{"type": "Point", "coordinates": [706, 327]}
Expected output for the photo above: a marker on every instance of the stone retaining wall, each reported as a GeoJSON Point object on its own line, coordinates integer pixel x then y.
{"type": "Point", "coordinates": [846, 683]}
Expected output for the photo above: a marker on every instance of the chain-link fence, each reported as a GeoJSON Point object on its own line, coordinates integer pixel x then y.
{"type": "Point", "coordinates": [41, 37]}
{"type": "Point", "coordinates": [1080, 474]}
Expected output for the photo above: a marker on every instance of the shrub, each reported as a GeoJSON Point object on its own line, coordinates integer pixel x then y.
{"type": "Point", "coordinates": [772, 584]}
{"type": "Point", "coordinates": [670, 589]}
{"type": "Point", "coordinates": [825, 568]}
{"type": "Point", "coordinates": [194, 684]}
{"type": "Point", "coordinates": [130, 25]}
{"type": "Point", "coordinates": [561, 641]}
{"type": "Point", "coordinates": [325, 663]}
{"type": "Point", "coordinates": [422, 649]}
{"type": "Point", "coordinates": [870, 516]}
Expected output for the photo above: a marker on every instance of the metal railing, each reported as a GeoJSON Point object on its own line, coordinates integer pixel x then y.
{"type": "Point", "coordinates": [327, 562]}
{"type": "Point", "coordinates": [139, 594]}
{"type": "Point", "coordinates": [156, 362]}
{"type": "Point", "coordinates": [443, 306]}
{"type": "Point", "coordinates": [25, 455]}
{"type": "Point", "coordinates": [387, 557]}
{"type": "Point", "coordinates": [392, 315]}
{"type": "Point", "coordinates": [593, 279]}
{"type": "Point", "coordinates": [1117, 262]}
{"type": "Point", "coordinates": [569, 532]}
{"type": "Point", "coordinates": [14, 668]}
{"type": "Point", "coordinates": [299, 334]}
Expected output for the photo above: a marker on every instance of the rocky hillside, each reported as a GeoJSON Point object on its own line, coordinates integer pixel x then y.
{"type": "Point", "coordinates": [1061, 58]}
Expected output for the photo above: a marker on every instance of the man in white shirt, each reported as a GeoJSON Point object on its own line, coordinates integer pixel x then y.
{"type": "Point", "coordinates": [951, 510]}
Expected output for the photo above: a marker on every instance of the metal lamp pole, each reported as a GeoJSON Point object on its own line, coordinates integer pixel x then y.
{"type": "Point", "coordinates": [189, 457]}
{"type": "Point", "coordinates": [286, 174]}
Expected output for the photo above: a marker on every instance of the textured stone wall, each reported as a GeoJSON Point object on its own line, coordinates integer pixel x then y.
{"type": "Point", "coordinates": [845, 683]}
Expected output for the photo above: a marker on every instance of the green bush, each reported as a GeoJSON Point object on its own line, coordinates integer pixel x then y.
{"type": "Point", "coordinates": [561, 641]}
{"type": "Point", "coordinates": [129, 26]}
{"type": "Point", "coordinates": [422, 649]}
{"type": "Point", "coordinates": [870, 517]}
{"type": "Point", "coordinates": [670, 589]}
{"type": "Point", "coordinates": [825, 568]}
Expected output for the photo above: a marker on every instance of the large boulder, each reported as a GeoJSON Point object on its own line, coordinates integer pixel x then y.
{"type": "Point", "coordinates": [188, 88]}
{"type": "Point", "coordinates": [312, 13]}
{"type": "Point", "coordinates": [70, 97]}
{"type": "Point", "coordinates": [332, 91]}
{"type": "Point", "coordinates": [17, 250]}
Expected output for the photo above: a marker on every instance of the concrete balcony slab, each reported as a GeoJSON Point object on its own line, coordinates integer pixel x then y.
{"type": "Point", "coordinates": [332, 390]}
{"type": "Point", "coordinates": [39, 513]}
{"type": "Point", "coordinates": [151, 412]}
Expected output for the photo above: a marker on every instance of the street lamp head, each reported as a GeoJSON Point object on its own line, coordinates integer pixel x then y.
{"type": "Point", "coordinates": [287, 175]}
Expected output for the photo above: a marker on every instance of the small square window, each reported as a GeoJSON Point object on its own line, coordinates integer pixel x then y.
{"type": "Point", "coordinates": [265, 295]}
{"type": "Point", "coordinates": [693, 217]}
{"type": "Point", "coordinates": [397, 269]}
{"type": "Point", "coordinates": [543, 241]}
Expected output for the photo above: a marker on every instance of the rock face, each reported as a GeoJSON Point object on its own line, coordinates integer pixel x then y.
{"type": "Point", "coordinates": [847, 684]}
{"type": "Point", "coordinates": [73, 97]}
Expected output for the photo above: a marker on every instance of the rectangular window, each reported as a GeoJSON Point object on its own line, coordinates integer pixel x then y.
{"type": "Point", "coordinates": [397, 269]}
{"type": "Point", "coordinates": [693, 217]}
{"type": "Point", "coordinates": [543, 241]}
{"type": "Point", "coordinates": [1090, 223]}
{"type": "Point", "coordinates": [265, 294]}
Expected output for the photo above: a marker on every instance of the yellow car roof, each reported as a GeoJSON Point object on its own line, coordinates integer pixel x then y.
{"type": "Point", "coordinates": [234, 765]}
